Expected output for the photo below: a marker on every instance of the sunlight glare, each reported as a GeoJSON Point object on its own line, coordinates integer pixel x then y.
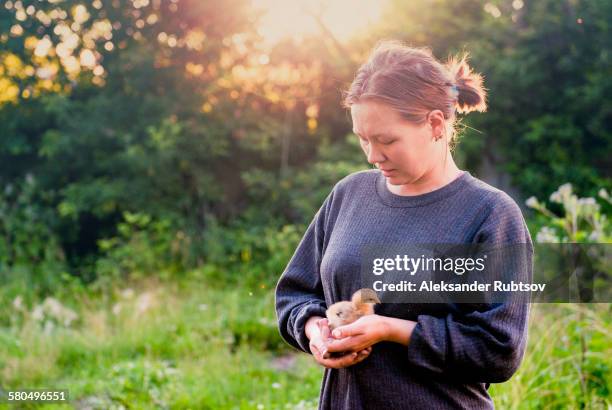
{"type": "Point", "coordinates": [294, 19]}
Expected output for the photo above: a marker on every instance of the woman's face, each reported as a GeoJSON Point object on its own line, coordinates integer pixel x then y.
{"type": "Point", "coordinates": [402, 150]}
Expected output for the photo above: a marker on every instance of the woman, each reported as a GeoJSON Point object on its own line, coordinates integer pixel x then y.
{"type": "Point", "coordinates": [403, 105]}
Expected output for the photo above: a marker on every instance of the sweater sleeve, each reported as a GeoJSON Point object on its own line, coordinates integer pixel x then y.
{"type": "Point", "coordinates": [299, 292]}
{"type": "Point", "coordinates": [481, 343]}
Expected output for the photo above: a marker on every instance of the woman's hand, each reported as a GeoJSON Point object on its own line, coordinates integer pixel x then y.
{"type": "Point", "coordinates": [369, 330]}
{"type": "Point", "coordinates": [359, 335]}
{"type": "Point", "coordinates": [318, 332]}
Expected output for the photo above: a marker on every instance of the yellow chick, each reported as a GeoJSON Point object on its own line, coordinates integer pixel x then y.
{"type": "Point", "coordinates": [361, 304]}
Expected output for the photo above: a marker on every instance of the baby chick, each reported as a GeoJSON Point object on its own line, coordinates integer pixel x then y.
{"type": "Point", "coordinates": [361, 304]}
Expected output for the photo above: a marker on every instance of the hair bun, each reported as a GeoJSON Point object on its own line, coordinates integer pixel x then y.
{"type": "Point", "coordinates": [471, 92]}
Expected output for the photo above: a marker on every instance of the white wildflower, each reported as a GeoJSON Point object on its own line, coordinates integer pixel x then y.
{"type": "Point", "coordinates": [547, 235]}
{"type": "Point", "coordinates": [171, 371]}
{"type": "Point", "coordinates": [565, 189]}
{"type": "Point", "coordinates": [571, 205]}
{"type": "Point", "coordinates": [588, 206]}
{"type": "Point", "coordinates": [532, 202]}
{"type": "Point", "coordinates": [595, 236]}
{"type": "Point", "coordinates": [18, 303]}
{"type": "Point", "coordinates": [587, 201]}
{"type": "Point", "coordinates": [59, 312]}
{"type": "Point", "coordinates": [38, 313]}
{"type": "Point", "coordinates": [48, 328]}
{"type": "Point", "coordinates": [117, 308]}
{"type": "Point", "coordinates": [276, 385]}
{"type": "Point", "coordinates": [51, 308]}
{"type": "Point", "coordinates": [562, 193]}
{"type": "Point", "coordinates": [127, 293]}
{"type": "Point", "coordinates": [144, 303]}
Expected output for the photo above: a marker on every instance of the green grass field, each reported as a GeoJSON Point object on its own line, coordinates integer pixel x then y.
{"type": "Point", "coordinates": [184, 344]}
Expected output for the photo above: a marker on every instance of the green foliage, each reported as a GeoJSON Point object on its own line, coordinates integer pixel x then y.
{"type": "Point", "coordinates": [255, 248]}
{"type": "Point", "coordinates": [143, 247]}
{"type": "Point", "coordinates": [26, 237]}
{"type": "Point", "coordinates": [132, 139]}
{"type": "Point", "coordinates": [141, 381]}
{"type": "Point", "coordinates": [565, 365]}
{"type": "Point", "coordinates": [296, 196]}
{"type": "Point", "coordinates": [31, 256]}
{"type": "Point", "coordinates": [174, 344]}
{"type": "Point", "coordinates": [249, 254]}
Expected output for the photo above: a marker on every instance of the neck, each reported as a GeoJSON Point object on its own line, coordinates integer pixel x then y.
{"type": "Point", "coordinates": [433, 179]}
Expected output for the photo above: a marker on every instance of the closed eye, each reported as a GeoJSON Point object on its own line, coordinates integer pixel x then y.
{"type": "Point", "coordinates": [381, 138]}
{"type": "Point", "coordinates": [366, 142]}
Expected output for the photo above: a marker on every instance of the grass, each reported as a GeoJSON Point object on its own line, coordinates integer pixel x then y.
{"type": "Point", "coordinates": [164, 345]}
{"type": "Point", "coordinates": [184, 344]}
{"type": "Point", "coordinates": [568, 362]}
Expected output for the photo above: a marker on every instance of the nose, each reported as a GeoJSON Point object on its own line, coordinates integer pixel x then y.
{"type": "Point", "coordinates": [374, 155]}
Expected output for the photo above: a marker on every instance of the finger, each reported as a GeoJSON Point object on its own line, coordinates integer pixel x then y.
{"type": "Point", "coordinates": [347, 330]}
{"type": "Point", "coordinates": [351, 359]}
{"type": "Point", "coordinates": [361, 357]}
{"type": "Point", "coordinates": [323, 352]}
{"type": "Point", "coordinates": [353, 344]}
{"type": "Point", "coordinates": [320, 347]}
{"type": "Point", "coordinates": [314, 350]}
{"type": "Point", "coordinates": [323, 324]}
{"type": "Point", "coordinates": [324, 329]}
{"type": "Point", "coordinates": [339, 362]}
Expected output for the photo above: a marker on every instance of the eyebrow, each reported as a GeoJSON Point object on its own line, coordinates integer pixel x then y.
{"type": "Point", "coordinates": [380, 134]}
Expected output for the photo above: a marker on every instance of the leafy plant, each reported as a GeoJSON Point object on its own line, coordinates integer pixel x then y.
{"type": "Point", "coordinates": [581, 219]}
{"type": "Point", "coordinates": [142, 247]}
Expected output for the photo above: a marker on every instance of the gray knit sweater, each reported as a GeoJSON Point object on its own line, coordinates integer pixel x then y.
{"type": "Point", "coordinates": [456, 350]}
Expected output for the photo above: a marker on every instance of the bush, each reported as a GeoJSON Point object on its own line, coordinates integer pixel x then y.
{"type": "Point", "coordinates": [142, 247]}
{"type": "Point", "coordinates": [250, 254]}
{"type": "Point", "coordinates": [581, 219]}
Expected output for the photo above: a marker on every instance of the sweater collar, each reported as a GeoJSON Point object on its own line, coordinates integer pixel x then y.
{"type": "Point", "coordinates": [409, 201]}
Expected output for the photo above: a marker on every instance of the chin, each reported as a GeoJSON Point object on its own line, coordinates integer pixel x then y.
{"type": "Point", "coordinates": [393, 180]}
{"type": "Point", "coordinates": [398, 180]}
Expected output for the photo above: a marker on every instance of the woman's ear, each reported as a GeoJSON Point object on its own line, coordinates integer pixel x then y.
{"type": "Point", "coordinates": [435, 120]}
